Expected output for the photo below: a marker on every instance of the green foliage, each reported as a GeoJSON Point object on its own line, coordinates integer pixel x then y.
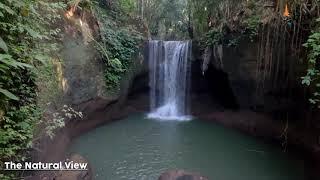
{"type": "Point", "coordinates": [233, 42]}
{"type": "Point", "coordinates": [8, 94]}
{"type": "Point", "coordinates": [175, 18]}
{"type": "Point", "coordinates": [127, 5]}
{"type": "Point", "coordinates": [7, 177]}
{"type": "Point", "coordinates": [27, 39]}
{"type": "Point", "coordinates": [166, 19]}
{"type": "Point", "coordinates": [312, 78]}
{"type": "Point", "coordinates": [16, 134]}
{"type": "Point", "coordinates": [200, 11]}
{"type": "Point", "coordinates": [59, 119]}
{"type": "Point", "coordinates": [213, 37]}
{"type": "Point", "coordinates": [252, 26]}
{"type": "Point", "coordinates": [48, 85]}
{"type": "Point", "coordinates": [219, 37]}
{"type": "Point", "coordinates": [119, 46]}
{"type": "Point", "coordinates": [21, 27]}
{"type": "Point", "coordinates": [17, 131]}
{"type": "Point", "coordinates": [81, 4]}
{"type": "Point", "coordinates": [224, 22]}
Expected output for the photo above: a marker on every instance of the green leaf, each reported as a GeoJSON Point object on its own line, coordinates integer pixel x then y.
{"type": "Point", "coordinates": [42, 58]}
{"type": "Point", "coordinates": [32, 33]}
{"type": "Point", "coordinates": [3, 45]}
{"type": "Point", "coordinates": [8, 60]}
{"type": "Point", "coordinates": [6, 8]}
{"type": "Point", "coordinates": [8, 94]}
{"type": "Point", "coordinates": [116, 64]}
{"type": "Point", "coordinates": [3, 68]}
{"type": "Point", "coordinates": [306, 80]}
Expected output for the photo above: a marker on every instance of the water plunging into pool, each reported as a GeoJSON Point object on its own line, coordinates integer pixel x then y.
{"type": "Point", "coordinates": [169, 79]}
{"type": "Point", "coordinates": [139, 148]}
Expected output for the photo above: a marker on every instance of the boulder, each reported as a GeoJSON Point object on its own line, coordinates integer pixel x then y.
{"type": "Point", "coordinates": [75, 175]}
{"type": "Point", "coordinates": [181, 175]}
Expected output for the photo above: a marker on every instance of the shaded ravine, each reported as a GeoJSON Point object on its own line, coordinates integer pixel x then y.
{"type": "Point", "coordinates": [102, 111]}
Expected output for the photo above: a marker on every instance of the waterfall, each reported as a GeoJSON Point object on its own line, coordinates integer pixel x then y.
{"type": "Point", "coordinates": [169, 66]}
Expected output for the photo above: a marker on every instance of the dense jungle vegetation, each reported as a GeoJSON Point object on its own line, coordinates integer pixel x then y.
{"type": "Point", "coordinates": [281, 27]}
{"type": "Point", "coordinates": [30, 42]}
{"type": "Point", "coordinates": [27, 43]}
{"type": "Point", "coordinates": [31, 33]}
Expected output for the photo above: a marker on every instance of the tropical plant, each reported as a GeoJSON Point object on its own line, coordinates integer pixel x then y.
{"type": "Point", "coordinates": [312, 78]}
{"type": "Point", "coordinates": [119, 45]}
{"type": "Point", "coordinates": [27, 39]}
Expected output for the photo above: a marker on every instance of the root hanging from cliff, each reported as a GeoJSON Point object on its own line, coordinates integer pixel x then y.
{"type": "Point", "coordinates": [273, 65]}
{"type": "Point", "coordinates": [280, 46]}
{"type": "Point", "coordinates": [206, 59]}
{"type": "Point", "coordinates": [213, 54]}
{"type": "Point", "coordinates": [284, 135]}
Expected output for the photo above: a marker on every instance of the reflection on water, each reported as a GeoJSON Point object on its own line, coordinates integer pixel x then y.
{"type": "Point", "coordinates": [138, 148]}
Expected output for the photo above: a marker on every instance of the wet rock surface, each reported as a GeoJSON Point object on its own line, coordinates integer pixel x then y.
{"type": "Point", "coordinates": [75, 175]}
{"type": "Point", "coordinates": [181, 175]}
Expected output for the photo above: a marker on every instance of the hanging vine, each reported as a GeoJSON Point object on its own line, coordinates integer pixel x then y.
{"type": "Point", "coordinates": [281, 50]}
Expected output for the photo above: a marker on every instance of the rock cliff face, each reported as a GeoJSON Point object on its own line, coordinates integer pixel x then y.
{"type": "Point", "coordinates": [83, 72]}
{"type": "Point", "coordinates": [81, 75]}
{"type": "Point", "coordinates": [240, 66]}
{"type": "Point", "coordinates": [239, 82]}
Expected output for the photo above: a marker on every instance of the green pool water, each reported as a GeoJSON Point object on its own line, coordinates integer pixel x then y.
{"type": "Point", "coordinates": [138, 148]}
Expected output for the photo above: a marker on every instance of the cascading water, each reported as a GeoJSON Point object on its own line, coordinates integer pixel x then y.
{"type": "Point", "coordinates": [169, 79]}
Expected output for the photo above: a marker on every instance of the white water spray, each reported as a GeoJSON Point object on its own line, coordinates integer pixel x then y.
{"type": "Point", "coordinates": [169, 66]}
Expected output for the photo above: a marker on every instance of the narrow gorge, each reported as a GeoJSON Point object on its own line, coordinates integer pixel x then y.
{"type": "Point", "coordinates": [160, 90]}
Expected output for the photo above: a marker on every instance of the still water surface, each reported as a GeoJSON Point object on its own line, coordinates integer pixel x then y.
{"type": "Point", "coordinates": [138, 148]}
